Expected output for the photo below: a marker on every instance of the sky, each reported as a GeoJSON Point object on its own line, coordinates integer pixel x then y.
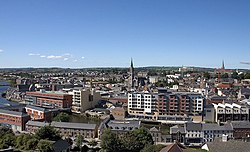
{"type": "Point", "coordinates": [108, 33]}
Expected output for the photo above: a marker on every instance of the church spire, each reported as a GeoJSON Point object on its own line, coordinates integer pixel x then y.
{"type": "Point", "coordinates": [131, 64]}
{"type": "Point", "coordinates": [223, 65]}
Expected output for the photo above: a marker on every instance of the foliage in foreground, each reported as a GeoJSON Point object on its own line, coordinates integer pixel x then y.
{"type": "Point", "coordinates": [133, 141]}
{"type": "Point", "coordinates": [27, 142]}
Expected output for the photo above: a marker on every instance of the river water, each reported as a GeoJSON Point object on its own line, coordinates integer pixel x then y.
{"type": "Point", "coordinates": [3, 101]}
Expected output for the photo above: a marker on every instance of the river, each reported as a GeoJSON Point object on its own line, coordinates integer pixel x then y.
{"type": "Point", "coordinates": [3, 101]}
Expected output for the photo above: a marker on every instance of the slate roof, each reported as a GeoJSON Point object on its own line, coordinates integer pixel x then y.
{"type": "Point", "coordinates": [13, 113]}
{"type": "Point", "coordinates": [70, 125]}
{"type": "Point", "coordinates": [154, 129]}
{"type": "Point", "coordinates": [37, 123]}
{"type": "Point", "coordinates": [36, 108]}
{"type": "Point", "coordinates": [240, 124]}
{"type": "Point", "coordinates": [245, 91]}
{"type": "Point", "coordinates": [229, 146]}
{"type": "Point", "coordinates": [176, 128]}
{"type": "Point", "coordinates": [124, 123]}
{"type": "Point", "coordinates": [209, 126]}
{"type": "Point", "coordinates": [193, 126]}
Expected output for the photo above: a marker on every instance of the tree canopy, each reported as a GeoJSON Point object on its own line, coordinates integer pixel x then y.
{"type": "Point", "coordinates": [62, 117]}
{"type": "Point", "coordinates": [48, 132]}
{"type": "Point", "coordinates": [133, 141]}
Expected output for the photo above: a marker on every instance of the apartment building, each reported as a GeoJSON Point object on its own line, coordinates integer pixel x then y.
{"type": "Point", "coordinates": [165, 104]}
{"type": "Point", "coordinates": [51, 99]}
{"type": "Point", "coordinates": [66, 129]}
{"type": "Point", "coordinates": [13, 119]}
{"type": "Point", "coordinates": [83, 100]}
{"type": "Point", "coordinates": [142, 104]}
{"type": "Point", "coordinates": [226, 112]}
{"type": "Point", "coordinates": [38, 113]}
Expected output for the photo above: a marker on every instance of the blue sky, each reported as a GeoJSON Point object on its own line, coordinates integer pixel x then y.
{"type": "Point", "coordinates": [107, 33]}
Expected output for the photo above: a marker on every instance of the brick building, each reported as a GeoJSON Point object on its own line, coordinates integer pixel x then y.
{"type": "Point", "coordinates": [13, 119]}
{"type": "Point", "coordinates": [49, 99]}
{"type": "Point", "coordinates": [38, 113]}
{"type": "Point", "coordinates": [66, 129]}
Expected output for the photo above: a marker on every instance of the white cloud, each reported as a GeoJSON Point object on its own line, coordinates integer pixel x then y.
{"type": "Point", "coordinates": [1, 50]}
{"type": "Point", "coordinates": [83, 57]}
{"type": "Point", "coordinates": [65, 59]}
{"type": "Point", "coordinates": [55, 57]}
{"type": "Point", "coordinates": [43, 56]}
{"type": "Point", "coordinates": [74, 60]}
{"type": "Point", "coordinates": [67, 54]}
{"type": "Point", "coordinates": [34, 54]}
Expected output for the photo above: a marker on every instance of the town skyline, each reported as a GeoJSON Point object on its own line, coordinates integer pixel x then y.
{"type": "Point", "coordinates": [87, 34]}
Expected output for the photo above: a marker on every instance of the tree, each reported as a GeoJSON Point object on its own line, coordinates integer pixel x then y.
{"type": "Point", "coordinates": [48, 132]}
{"type": "Point", "coordinates": [225, 75]}
{"type": "Point", "coordinates": [7, 140]}
{"type": "Point", "coordinates": [62, 117]}
{"type": "Point", "coordinates": [5, 130]}
{"type": "Point", "coordinates": [247, 76]}
{"type": "Point", "coordinates": [22, 140]}
{"type": "Point", "coordinates": [143, 138]}
{"type": "Point", "coordinates": [93, 143]}
{"type": "Point", "coordinates": [109, 141]}
{"type": "Point", "coordinates": [133, 141]}
{"type": "Point", "coordinates": [31, 144]}
{"type": "Point", "coordinates": [44, 146]}
{"type": "Point", "coordinates": [234, 75]}
{"type": "Point", "coordinates": [79, 140]}
{"type": "Point", "coordinates": [7, 137]}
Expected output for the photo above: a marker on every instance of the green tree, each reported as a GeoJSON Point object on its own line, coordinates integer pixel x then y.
{"type": "Point", "coordinates": [109, 141]}
{"type": "Point", "coordinates": [22, 140]}
{"type": "Point", "coordinates": [234, 75]}
{"type": "Point", "coordinates": [48, 132]}
{"type": "Point", "coordinates": [31, 144]}
{"type": "Point", "coordinates": [6, 141]}
{"type": "Point", "coordinates": [143, 138]}
{"type": "Point", "coordinates": [247, 75]}
{"type": "Point", "coordinates": [45, 146]}
{"type": "Point", "coordinates": [225, 75]}
{"type": "Point", "coordinates": [79, 140]}
{"type": "Point", "coordinates": [5, 130]}
{"type": "Point", "coordinates": [93, 143]}
{"type": "Point", "coordinates": [62, 117]}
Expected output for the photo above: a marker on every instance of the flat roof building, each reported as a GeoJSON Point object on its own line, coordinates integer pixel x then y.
{"type": "Point", "coordinates": [49, 99]}
{"type": "Point", "coordinates": [13, 119]}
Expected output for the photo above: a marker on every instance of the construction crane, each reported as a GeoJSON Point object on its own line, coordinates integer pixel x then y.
{"type": "Point", "coordinates": [245, 63]}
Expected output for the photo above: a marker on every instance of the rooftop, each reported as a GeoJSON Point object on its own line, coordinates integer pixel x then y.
{"type": "Point", "coordinates": [37, 123]}
{"type": "Point", "coordinates": [193, 126]}
{"type": "Point", "coordinates": [240, 124]}
{"type": "Point", "coordinates": [13, 113]}
{"type": "Point", "coordinates": [36, 108]}
{"type": "Point", "coordinates": [124, 123]}
{"type": "Point", "coordinates": [71, 125]}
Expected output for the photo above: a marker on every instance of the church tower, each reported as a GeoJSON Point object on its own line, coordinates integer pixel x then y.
{"type": "Point", "coordinates": [223, 65]}
{"type": "Point", "coordinates": [132, 75]}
